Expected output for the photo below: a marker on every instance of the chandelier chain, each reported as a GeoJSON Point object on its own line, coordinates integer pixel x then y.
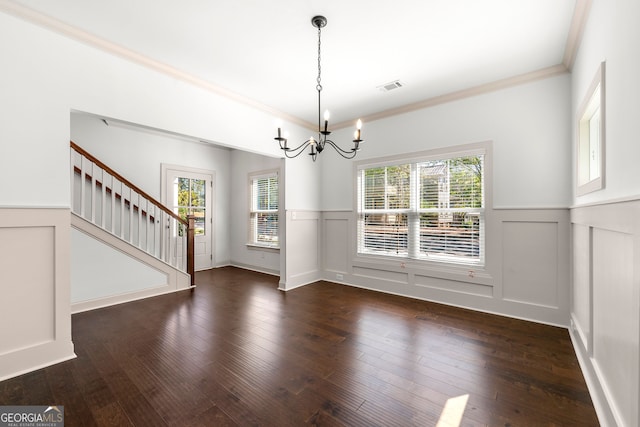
{"type": "Point", "coordinates": [319, 86]}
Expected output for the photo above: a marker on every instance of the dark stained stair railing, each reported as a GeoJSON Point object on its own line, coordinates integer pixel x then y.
{"type": "Point", "coordinates": [107, 199]}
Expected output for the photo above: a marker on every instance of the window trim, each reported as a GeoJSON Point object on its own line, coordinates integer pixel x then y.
{"type": "Point", "coordinates": [251, 244]}
{"type": "Point", "coordinates": [440, 265]}
{"type": "Point", "coordinates": [594, 99]}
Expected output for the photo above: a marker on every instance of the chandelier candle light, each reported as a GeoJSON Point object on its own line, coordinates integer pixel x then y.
{"type": "Point", "coordinates": [316, 146]}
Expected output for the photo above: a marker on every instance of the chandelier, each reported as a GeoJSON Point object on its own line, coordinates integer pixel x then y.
{"type": "Point", "coordinates": [316, 146]}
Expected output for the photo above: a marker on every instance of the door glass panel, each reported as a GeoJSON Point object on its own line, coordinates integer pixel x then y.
{"type": "Point", "coordinates": [198, 193]}
{"type": "Point", "coordinates": [190, 195]}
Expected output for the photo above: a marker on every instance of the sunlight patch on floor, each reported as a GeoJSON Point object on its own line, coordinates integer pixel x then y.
{"type": "Point", "coordinates": [452, 412]}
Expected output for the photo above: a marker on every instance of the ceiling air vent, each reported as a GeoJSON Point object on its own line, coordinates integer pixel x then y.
{"type": "Point", "coordinates": [390, 86]}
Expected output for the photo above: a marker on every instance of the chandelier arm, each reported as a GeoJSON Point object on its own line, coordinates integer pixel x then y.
{"type": "Point", "coordinates": [317, 146]}
{"type": "Point", "coordinates": [299, 147]}
{"type": "Point", "coordinates": [287, 155]}
{"type": "Point", "coordinates": [297, 151]}
{"type": "Point", "coordinates": [348, 154]}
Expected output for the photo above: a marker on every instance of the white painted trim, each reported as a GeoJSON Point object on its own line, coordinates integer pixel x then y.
{"type": "Point", "coordinates": [254, 268]}
{"type": "Point", "coordinates": [251, 176]}
{"type": "Point", "coordinates": [36, 355]}
{"type": "Point", "coordinates": [529, 208]}
{"type": "Point", "coordinates": [482, 290]}
{"type": "Point", "coordinates": [573, 42]}
{"type": "Point", "coordinates": [177, 280]}
{"type": "Point", "coordinates": [497, 85]}
{"type": "Point", "coordinates": [72, 32]}
{"type": "Point", "coordinates": [211, 199]}
{"type": "Point", "coordinates": [596, 88]}
{"type": "Point", "coordinates": [481, 310]}
{"type": "Point", "coordinates": [614, 217]}
{"type": "Point", "coordinates": [627, 199]}
{"type": "Point", "coordinates": [574, 39]}
{"type": "Point", "coordinates": [293, 274]}
{"type": "Point", "coordinates": [283, 286]}
{"type": "Point", "coordinates": [605, 416]}
{"type": "Point", "coordinates": [124, 298]}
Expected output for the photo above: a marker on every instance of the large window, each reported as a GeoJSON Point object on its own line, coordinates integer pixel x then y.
{"type": "Point", "coordinates": [426, 209]}
{"type": "Point", "coordinates": [263, 227]}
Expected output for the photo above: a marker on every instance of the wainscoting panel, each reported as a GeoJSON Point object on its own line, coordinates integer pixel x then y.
{"type": "Point", "coordinates": [530, 262]}
{"type": "Point", "coordinates": [34, 289]}
{"type": "Point", "coordinates": [380, 274]}
{"type": "Point", "coordinates": [606, 306]}
{"type": "Point", "coordinates": [302, 250]}
{"type": "Point", "coordinates": [453, 286]}
{"type": "Point", "coordinates": [336, 257]}
{"type": "Point", "coordinates": [33, 246]}
{"type": "Point", "coordinates": [581, 295]}
{"type": "Point", "coordinates": [526, 274]}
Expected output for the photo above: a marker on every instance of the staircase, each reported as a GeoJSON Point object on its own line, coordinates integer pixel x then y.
{"type": "Point", "coordinates": [113, 210]}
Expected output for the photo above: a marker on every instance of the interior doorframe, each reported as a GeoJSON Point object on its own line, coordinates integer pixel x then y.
{"type": "Point", "coordinates": [165, 168]}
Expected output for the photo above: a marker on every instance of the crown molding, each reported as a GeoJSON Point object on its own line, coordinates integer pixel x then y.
{"type": "Point", "coordinates": [464, 93]}
{"type": "Point", "coordinates": [84, 37]}
{"type": "Point", "coordinates": [578, 23]}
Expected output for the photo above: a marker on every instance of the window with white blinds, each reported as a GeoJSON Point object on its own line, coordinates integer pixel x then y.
{"type": "Point", "coordinates": [263, 227]}
{"type": "Point", "coordinates": [431, 209]}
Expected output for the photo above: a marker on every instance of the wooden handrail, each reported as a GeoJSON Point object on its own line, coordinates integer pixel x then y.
{"type": "Point", "coordinates": [128, 183]}
{"type": "Point", "coordinates": [189, 223]}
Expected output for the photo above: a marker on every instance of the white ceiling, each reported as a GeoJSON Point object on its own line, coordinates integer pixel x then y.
{"type": "Point", "coordinates": [266, 51]}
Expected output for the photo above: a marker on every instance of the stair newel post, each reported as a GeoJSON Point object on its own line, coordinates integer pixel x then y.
{"type": "Point", "coordinates": [191, 269]}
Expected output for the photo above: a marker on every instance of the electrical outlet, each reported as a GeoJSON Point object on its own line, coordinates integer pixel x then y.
{"type": "Point", "coordinates": [339, 276]}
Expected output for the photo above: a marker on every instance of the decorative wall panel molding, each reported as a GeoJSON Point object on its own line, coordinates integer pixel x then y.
{"type": "Point", "coordinates": [35, 287]}
{"type": "Point", "coordinates": [605, 308]}
{"type": "Point", "coordinates": [526, 274]}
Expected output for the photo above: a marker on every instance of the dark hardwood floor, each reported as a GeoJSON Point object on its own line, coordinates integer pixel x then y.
{"type": "Point", "coordinates": [238, 352]}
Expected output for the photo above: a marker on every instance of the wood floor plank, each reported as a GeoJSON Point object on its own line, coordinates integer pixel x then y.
{"type": "Point", "coordinates": [238, 352]}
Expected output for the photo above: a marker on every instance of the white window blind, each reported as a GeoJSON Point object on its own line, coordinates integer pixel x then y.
{"type": "Point", "coordinates": [431, 209]}
{"type": "Point", "coordinates": [263, 228]}
{"type": "Point", "coordinates": [385, 202]}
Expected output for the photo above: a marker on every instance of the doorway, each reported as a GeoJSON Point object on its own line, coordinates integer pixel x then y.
{"type": "Point", "coordinates": [189, 191]}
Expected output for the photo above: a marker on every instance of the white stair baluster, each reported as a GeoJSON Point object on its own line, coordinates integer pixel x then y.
{"type": "Point", "coordinates": [83, 190]}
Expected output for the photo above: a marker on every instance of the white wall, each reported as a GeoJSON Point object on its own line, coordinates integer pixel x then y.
{"type": "Point", "coordinates": [138, 155]}
{"type": "Point", "coordinates": [244, 163]}
{"type": "Point", "coordinates": [605, 308]}
{"type": "Point", "coordinates": [526, 274]}
{"type": "Point", "coordinates": [528, 124]}
{"type": "Point", "coordinates": [45, 76]}
{"type": "Point", "coordinates": [104, 272]}
{"type": "Point", "coordinates": [612, 34]}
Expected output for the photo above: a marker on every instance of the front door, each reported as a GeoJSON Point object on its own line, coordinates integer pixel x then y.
{"type": "Point", "coordinates": [189, 192]}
